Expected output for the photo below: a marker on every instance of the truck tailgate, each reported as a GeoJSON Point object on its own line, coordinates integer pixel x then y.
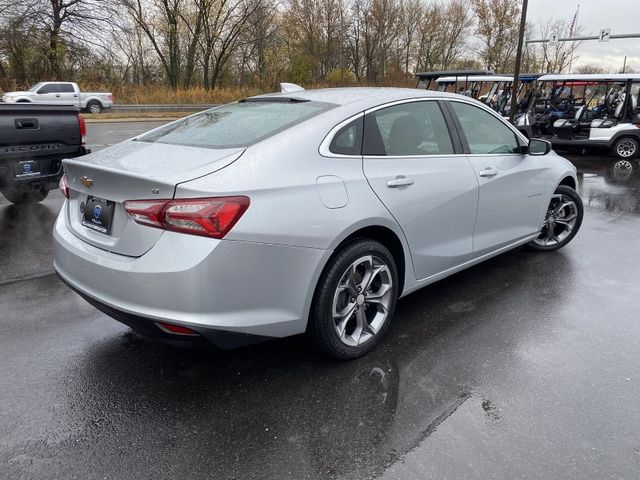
{"type": "Point", "coordinates": [32, 131]}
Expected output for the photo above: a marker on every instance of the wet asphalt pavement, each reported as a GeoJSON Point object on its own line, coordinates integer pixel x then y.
{"type": "Point", "coordinates": [526, 366]}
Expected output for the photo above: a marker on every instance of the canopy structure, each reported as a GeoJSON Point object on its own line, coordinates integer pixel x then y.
{"type": "Point", "coordinates": [425, 78]}
{"type": "Point", "coordinates": [589, 77]}
{"type": "Point", "coordinates": [448, 73]}
{"type": "Point", "coordinates": [475, 78]}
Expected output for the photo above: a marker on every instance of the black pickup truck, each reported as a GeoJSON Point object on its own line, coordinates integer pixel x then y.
{"type": "Point", "coordinates": [33, 141]}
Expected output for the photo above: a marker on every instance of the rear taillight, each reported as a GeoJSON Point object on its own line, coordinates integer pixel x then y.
{"type": "Point", "coordinates": [83, 129]}
{"type": "Point", "coordinates": [208, 217]}
{"type": "Point", "coordinates": [64, 185]}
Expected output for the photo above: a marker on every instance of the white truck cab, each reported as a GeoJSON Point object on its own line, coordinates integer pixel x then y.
{"type": "Point", "coordinates": [62, 93]}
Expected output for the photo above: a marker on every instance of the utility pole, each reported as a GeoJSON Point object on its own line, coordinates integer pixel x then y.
{"type": "Point", "coordinates": [516, 74]}
{"type": "Point", "coordinates": [624, 65]}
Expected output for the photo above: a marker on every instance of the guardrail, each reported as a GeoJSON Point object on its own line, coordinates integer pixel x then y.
{"type": "Point", "coordinates": [162, 108]}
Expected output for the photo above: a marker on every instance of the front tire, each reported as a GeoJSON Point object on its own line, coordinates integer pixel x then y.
{"type": "Point", "coordinates": [354, 300]}
{"type": "Point", "coordinates": [21, 197]}
{"type": "Point", "coordinates": [562, 220]}
{"type": "Point", "coordinates": [626, 147]}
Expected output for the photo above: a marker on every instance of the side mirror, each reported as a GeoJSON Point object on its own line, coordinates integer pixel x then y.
{"type": "Point", "coordinates": [538, 146]}
{"type": "Point", "coordinates": [40, 92]}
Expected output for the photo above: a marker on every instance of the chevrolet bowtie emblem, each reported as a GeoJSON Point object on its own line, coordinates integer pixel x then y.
{"type": "Point", "coordinates": [86, 181]}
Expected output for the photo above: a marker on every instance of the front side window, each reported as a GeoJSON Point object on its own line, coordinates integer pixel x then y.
{"type": "Point", "coordinates": [416, 128]}
{"type": "Point", "coordinates": [484, 132]}
{"type": "Point", "coordinates": [236, 125]}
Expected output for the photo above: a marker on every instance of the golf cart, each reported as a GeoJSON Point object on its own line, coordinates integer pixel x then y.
{"type": "Point", "coordinates": [591, 111]}
{"type": "Point", "coordinates": [427, 80]}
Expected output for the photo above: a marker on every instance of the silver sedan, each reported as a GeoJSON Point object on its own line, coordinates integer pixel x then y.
{"type": "Point", "coordinates": [304, 212]}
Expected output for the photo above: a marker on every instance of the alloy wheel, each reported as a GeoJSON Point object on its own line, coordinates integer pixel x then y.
{"type": "Point", "coordinates": [362, 300]}
{"type": "Point", "coordinates": [559, 222]}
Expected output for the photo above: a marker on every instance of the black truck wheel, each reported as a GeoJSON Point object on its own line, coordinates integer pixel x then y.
{"type": "Point", "coordinates": [20, 197]}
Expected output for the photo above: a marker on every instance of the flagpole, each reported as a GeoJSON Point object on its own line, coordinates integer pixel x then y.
{"type": "Point", "coordinates": [573, 31]}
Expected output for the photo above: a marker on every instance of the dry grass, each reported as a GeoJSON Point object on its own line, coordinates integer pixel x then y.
{"type": "Point", "coordinates": [109, 116]}
{"type": "Point", "coordinates": [129, 94]}
{"type": "Point", "coordinates": [156, 94]}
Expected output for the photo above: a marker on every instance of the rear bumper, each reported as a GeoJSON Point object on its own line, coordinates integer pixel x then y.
{"type": "Point", "coordinates": [225, 290]}
{"type": "Point", "coordinates": [48, 181]}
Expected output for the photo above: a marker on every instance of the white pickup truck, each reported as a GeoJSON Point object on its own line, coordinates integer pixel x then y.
{"type": "Point", "coordinates": [62, 93]}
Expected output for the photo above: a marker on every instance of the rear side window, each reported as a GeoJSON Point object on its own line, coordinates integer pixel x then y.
{"type": "Point", "coordinates": [348, 140]}
{"type": "Point", "coordinates": [66, 88]}
{"type": "Point", "coordinates": [484, 132]}
{"type": "Point", "coordinates": [416, 128]}
{"type": "Point", "coordinates": [236, 125]}
{"type": "Point", "coordinates": [49, 88]}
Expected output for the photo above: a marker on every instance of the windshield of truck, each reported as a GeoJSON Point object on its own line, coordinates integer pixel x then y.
{"type": "Point", "coordinates": [236, 125]}
{"type": "Point", "coordinates": [35, 87]}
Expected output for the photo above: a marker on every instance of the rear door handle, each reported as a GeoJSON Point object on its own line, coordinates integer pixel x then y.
{"type": "Point", "coordinates": [400, 181]}
{"type": "Point", "coordinates": [488, 172]}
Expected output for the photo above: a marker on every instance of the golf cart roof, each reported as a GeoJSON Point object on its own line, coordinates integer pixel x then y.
{"type": "Point", "coordinates": [475, 78]}
{"type": "Point", "coordinates": [448, 73]}
{"type": "Point", "coordinates": [590, 77]}
{"type": "Point", "coordinates": [529, 77]}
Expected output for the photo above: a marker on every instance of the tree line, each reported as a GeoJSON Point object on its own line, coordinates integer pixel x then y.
{"type": "Point", "coordinates": [216, 43]}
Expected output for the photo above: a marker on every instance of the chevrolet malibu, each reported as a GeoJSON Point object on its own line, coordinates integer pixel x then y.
{"type": "Point", "coordinates": [304, 212]}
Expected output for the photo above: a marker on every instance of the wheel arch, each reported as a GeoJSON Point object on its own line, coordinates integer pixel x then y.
{"type": "Point", "coordinates": [635, 134]}
{"type": "Point", "coordinates": [91, 101]}
{"type": "Point", "coordinates": [389, 239]}
{"type": "Point", "coordinates": [373, 229]}
{"type": "Point", "coordinates": [569, 181]}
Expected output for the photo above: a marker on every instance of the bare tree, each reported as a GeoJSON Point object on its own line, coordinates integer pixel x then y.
{"type": "Point", "coordinates": [497, 30]}
{"type": "Point", "coordinates": [556, 58]}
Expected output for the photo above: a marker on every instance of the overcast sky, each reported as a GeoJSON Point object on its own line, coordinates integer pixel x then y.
{"type": "Point", "coordinates": [621, 16]}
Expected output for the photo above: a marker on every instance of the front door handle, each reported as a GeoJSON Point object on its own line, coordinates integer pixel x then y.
{"type": "Point", "coordinates": [488, 172]}
{"type": "Point", "coordinates": [400, 181]}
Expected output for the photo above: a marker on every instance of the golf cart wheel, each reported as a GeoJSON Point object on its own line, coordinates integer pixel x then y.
{"type": "Point", "coordinates": [626, 147]}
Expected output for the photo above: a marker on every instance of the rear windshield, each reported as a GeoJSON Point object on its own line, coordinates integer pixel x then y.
{"type": "Point", "coordinates": [236, 125]}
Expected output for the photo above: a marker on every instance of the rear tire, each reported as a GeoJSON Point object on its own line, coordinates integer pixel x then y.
{"type": "Point", "coordinates": [562, 220]}
{"type": "Point", "coordinates": [21, 197]}
{"type": "Point", "coordinates": [94, 107]}
{"type": "Point", "coordinates": [354, 300]}
{"type": "Point", "coordinates": [626, 147]}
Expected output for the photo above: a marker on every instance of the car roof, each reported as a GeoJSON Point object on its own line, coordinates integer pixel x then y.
{"type": "Point", "coordinates": [350, 95]}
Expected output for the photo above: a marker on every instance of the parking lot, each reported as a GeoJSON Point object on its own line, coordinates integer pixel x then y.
{"type": "Point", "coordinates": [525, 366]}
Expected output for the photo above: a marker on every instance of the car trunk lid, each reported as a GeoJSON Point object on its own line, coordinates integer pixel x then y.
{"type": "Point", "coordinates": [99, 184]}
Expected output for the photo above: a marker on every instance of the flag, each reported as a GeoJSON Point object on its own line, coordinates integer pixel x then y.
{"type": "Point", "coordinates": [574, 23]}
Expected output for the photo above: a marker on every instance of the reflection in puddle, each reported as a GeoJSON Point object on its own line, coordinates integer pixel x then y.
{"type": "Point", "coordinates": [609, 184]}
